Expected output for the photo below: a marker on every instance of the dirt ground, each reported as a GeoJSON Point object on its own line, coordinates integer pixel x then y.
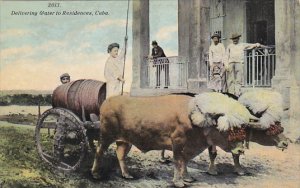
{"type": "Point", "coordinates": [20, 166]}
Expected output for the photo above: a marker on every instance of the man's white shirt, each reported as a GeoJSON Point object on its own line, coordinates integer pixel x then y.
{"type": "Point", "coordinates": [235, 52]}
{"type": "Point", "coordinates": [216, 53]}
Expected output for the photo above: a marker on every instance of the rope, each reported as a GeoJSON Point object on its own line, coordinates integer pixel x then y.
{"type": "Point", "coordinates": [126, 38]}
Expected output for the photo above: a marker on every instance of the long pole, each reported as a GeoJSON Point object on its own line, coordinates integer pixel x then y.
{"type": "Point", "coordinates": [125, 47]}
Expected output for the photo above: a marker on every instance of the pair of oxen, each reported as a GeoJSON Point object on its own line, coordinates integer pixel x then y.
{"type": "Point", "coordinates": [187, 126]}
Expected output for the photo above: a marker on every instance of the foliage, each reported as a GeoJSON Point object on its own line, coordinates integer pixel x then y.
{"type": "Point", "coordinates": [25, 99]}
{"type": "Point", "coordinates": [20, 165]}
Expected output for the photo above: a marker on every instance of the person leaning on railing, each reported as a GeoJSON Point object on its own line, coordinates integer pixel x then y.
{"type": "Point", "coordinates": [234, 63]}
{"type": "Point", "coordinates": [161, 63]}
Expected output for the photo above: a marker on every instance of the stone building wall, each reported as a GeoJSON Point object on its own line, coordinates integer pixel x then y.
{"type": "Point", "coordinates": [235, 20]}
{"type": "Point", "coordinates": [287, 75]}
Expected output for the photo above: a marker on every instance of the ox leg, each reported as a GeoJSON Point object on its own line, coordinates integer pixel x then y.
{"type": "Point", "coordinates": [212, 170]}
{"type": "Point", "coordinates": [237, 166]}
{"type": "Point", "coordinates": [178, 173]}
{"type": "Point", "coordinates": [101, 148]}
{"type": "Point", "coordinates": [179, 165]}
{"type": "Point", "coordinates": [122, 150]}
{"type": "Point", "coordinates": [128, 149]}
{"type": "Point", "coordinates": [164, 159]}
{"type": "Point", "coordinates": [162, 155]}
{"type": "Point", "coordinates": [186, 176]}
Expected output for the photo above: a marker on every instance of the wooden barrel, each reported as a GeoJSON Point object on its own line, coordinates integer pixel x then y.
{"type": "Point", "coordinates": [87, 93]}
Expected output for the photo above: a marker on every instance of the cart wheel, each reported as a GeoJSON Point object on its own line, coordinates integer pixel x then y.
{"type": "Point", "coordinates": [61, 139]}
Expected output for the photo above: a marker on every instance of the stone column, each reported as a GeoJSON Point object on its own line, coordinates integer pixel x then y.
{"type": "Point", "coordinates": [295, 40]}
{"type": "Point", "coordinates": [183, 28]}
{"type": "Point", "coordinates": [294, 111]}
{"type": "Point", "coordinates": [198, 44]}
{"type": "Point", "coordinates": [283, 27]}
{"type": "Point", "coordinates": [287, 75]}
{"type": "Point", "coordinates": [140, 36]}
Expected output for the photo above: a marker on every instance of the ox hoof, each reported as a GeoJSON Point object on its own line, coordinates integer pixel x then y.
{"type": "Point", "coordinates": [213, 172]}
{"type": "Point", "coordinates": [95, 175]}
{"type": "Point", "coordinates": [127, 176]}
{"type": "Point", "coordinates": [179, 183]}
{"type": "Point", "coordinates": [165, 161]}
{"type": "Point", "coordinates": [189, 180]}
{"type": "Point", "coordinates": [240, 172]}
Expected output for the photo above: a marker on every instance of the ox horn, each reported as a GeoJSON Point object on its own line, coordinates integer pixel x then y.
{"type": "Point", "coordinates": [212, 118]}
{"type": "Point", "coordinates": [253, 119]}
{"type": "Point", "coordinates": [254, 122]}
{"type": "Point", "coordinates": [255, 125]}
{"type": "Point", "coordinates": [216, 115]}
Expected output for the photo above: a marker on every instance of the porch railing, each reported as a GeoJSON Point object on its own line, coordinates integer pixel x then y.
{"type": "Point", "coordinates": [167, 72]}
{"type": "Point", "coordinates": [259, 67]}
{"type": "Point", "coordinates": [171, 72]}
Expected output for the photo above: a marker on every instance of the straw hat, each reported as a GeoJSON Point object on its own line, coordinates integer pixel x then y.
{"type": "Point", "coordinates": [235, 35]}
{"type": "Point", "coordinates": [215, 35]}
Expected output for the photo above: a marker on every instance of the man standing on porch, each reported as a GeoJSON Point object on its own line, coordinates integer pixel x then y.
{"type": "Point", "coordinates": [161, 64]}
{"type": "Point", "coordinates": [216, 63]}
{"type": "Point", "coordinates": [235, 62]}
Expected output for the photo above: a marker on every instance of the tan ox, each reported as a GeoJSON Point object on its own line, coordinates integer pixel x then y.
{"type": "Point", "coordinates": [156, 123]}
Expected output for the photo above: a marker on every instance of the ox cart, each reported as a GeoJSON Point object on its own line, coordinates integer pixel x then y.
{"type": "Point", "coordinates": [66, 132]}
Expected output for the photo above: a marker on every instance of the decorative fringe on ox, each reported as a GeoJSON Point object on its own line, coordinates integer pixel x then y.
{"type": "Point", "coordinates": [264, 102]}
{"type": "Point", "coordinates": [211, 108]}
{"type": "Point", "coordinates": [274, 129]}
{"type": "Point", "coordinates": [236, 134]}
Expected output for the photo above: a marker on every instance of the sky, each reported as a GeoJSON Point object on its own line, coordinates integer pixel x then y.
{"type": "Point", "coordinates": [36, 50]}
